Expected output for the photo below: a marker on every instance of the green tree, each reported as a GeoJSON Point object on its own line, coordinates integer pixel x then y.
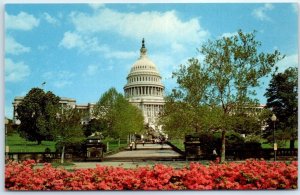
{"type": "Point", "coordinates": [282, 98]}
{"type": "Point", "coordinates": [95, 125]}
{"type": "Point", "coordinates": [68, 130]}
{"type": "Point", "coordinates": [227, 78]}
{"type": "Point", "coordinates": [37, 114]}
{"type": "Point", "coordinates": [181, 118]}
{"type": "Point", "coordinates": [184, 111]}
{"type": "Point", "coordinates": [248, 122]}
{"type": "Point", "coordinates": [119, 116]}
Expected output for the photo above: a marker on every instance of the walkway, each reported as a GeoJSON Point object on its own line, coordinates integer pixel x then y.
{"type": "Point", "coordinates": [146, 152]}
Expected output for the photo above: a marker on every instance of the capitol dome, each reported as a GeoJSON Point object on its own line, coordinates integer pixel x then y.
{"type": "Point", "coordinates": [144, 78]}
{"type": "Point", "coordinates": [144, 87]}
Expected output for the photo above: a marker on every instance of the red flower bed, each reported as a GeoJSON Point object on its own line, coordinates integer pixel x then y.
{"type": "Point", "coordinates": [232, 176]}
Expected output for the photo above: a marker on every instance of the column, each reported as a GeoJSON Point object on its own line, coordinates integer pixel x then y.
{"type": "Point", "coordinates": [152, 110]}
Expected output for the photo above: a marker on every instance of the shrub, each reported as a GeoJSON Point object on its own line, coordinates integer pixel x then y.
{"type": "Point", "coordinates": [211, 140]}
{"type": "Point", "coordinates": [233, 176]}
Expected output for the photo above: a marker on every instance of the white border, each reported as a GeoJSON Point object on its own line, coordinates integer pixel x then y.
{"type": "Point", "coordinates": [2, 87]}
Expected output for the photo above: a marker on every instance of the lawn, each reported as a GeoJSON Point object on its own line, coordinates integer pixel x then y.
{"type": "Point", "coordinates": [178, 143]}
{"type": "Point", "coordinates": [18, 144]}
{"type": "Point", "coordinates": [114, 145]}
{"type": "Point", "coordinates": [285, 145]}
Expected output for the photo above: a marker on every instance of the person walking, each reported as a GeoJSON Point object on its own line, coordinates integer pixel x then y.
{"type": "Point", "coordinates": [130, 146]}
{"type": "Point", "coordinates": [215, 154]}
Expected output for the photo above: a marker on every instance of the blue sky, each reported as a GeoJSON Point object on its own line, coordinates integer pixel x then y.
{"type": "Point", "coordinates": [82, 50]}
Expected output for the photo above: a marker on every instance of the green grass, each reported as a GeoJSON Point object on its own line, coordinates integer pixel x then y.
{"type": "Point", "coordinates": [178, 143]}
{"type": "Point", "coordinates": [114, 145]}
{"type": "Point", "coordinates": [18, 144]}
{"type": "Point", "coordinates": [286, 145]}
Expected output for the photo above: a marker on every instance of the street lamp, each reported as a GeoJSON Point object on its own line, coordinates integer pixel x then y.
{"type": "Point", "coordinates": [274, 118]}
{"type": "Point", "coordinates": [6, 146]}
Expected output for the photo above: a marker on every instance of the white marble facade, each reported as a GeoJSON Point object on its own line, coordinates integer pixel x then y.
{"type": "Point", "coordinates": [145, 89]}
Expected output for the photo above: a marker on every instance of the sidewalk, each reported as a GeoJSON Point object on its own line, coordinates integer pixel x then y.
{"type": "Point", "coordinates": [146, 151]}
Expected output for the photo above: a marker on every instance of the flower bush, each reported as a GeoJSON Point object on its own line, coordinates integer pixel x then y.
{"type": "Point", "coordinates": [256, 175]}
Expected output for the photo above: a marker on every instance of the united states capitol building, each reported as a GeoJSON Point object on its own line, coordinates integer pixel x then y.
{"type": "Point", "coordinates": [144, 89]}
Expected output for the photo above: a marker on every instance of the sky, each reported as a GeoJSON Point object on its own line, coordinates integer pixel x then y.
{"type": "Point", "coordinates": [82, 50]}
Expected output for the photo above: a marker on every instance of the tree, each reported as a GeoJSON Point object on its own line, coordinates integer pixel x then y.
{"type": "Point", "coordinates": [282, 98]}
{"type": "Point", "coordinates": [180, 118]}
{"type": "Point", "coordinates": [185, 110]}
{"type": "Point", "coordinates": [95, 125]}
{"type": "Point", "coordinates": [230, 71]}
{"type": "Point", "coordinates": [68, 130]}
{"type": "Point", "coordinates": [119, 116]}
{"type": "Point", "coordinates": [37, 114]}
{"type": "Point", "coordinates": [249, 121]}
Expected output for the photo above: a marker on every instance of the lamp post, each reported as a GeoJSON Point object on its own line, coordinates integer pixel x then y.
{"type": "Point", "coordinates": [274, 118]}
{"type": "Point", "coordinates": [6, 146]}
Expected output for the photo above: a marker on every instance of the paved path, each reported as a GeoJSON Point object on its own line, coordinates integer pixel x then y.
{"type": "Point", "coordinates": [149, 151]}
{"type": "Point", "coordinates": [145, 153]}
{"type": "Point", "coordinates": [153, 146]}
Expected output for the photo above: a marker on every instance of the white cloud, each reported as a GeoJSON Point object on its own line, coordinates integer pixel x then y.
{"type": "Point", "coordinates": [22, 21]}
{"type": "Point", "coordinates": [288, 61]}
{"type": "Point", "coordinates": [92, 69]}
{"type": "Point", "coordinates": [59, 79]}
{"type": "Point", "coordinates": [87, 44]}
{"type": "Point", "coordinates": [228, 34]}
{"type": "Point", "coordinates": [13, 47]}
{"type": "Point", "coordinates": [261, 12]}
{"type": "Point", "coordinates": [71, 40]}
{"type": "Point", "coordinates": [50, 19]}
{"type": "Point", "coordinates": [160, 26]}
{"type": "Point", "coordinates": [177, 48]}
{"type": "Point", "coordinates": [166, 64]}
{"type": "Point", "coordinates": [84, 43]}
{"type": "Point", "coordinates": [15, 71]}
{"type": "Point", "coordinates": [96, 6]}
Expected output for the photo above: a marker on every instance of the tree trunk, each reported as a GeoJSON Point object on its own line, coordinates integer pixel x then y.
{"type": "Point", "coordinates": [223, 146]}
{"type": "Point", "coordinates": [292, 143]}
{"type": "Point", "coordinates": [39, 142]}
{"type": "Point", "coordinates": [62, 155]}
